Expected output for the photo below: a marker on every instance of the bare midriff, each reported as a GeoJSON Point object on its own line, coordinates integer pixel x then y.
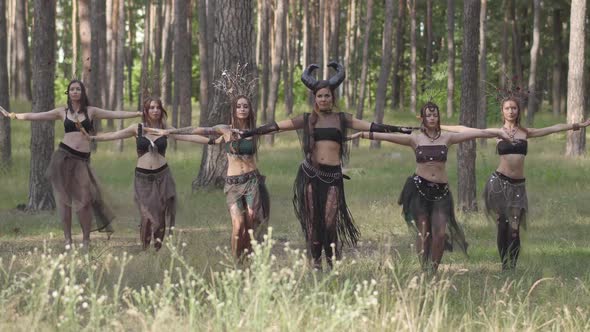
{"type": "Point", "coordinates": [512, 165]}
{"type": "Point", "coordinates": [77, 141]}
{"type": "Point", "coordinates": [238, 165]}
{"type": "Point", "coordinates": [151, 160]}
{"type": "Point", "coordinates": [433, 171]}
{"type": "Point", "coordinates": [326, 153]}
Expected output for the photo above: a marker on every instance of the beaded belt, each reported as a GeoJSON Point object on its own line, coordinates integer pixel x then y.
{"type": "Point", "coordinates": [435, 191]}
{"type": "Point", "coordinates": [242, 178]}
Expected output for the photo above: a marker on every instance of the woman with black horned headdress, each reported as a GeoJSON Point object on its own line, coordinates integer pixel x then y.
{"type": "Point", "coordinates": [73, 181]}
{"type": "Point", "coordinates": [319, 200]}
{"type": "Point", "coordinates": [505, 194]}
{"type": "Point", "coordinates": [426, 201]}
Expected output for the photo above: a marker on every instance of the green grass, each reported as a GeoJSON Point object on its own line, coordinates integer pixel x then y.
{"type": "Point", "coordinates": [193, 284]}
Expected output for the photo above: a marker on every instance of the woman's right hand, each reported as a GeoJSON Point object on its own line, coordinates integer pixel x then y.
{"type": "Point", "coordinates": [7, 114]}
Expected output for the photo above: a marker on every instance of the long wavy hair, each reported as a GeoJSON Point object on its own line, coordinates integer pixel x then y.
{"type": "Point", "coordinates": [84, 103]}
{"type": "Point", "coordinates": [250, 122]}
{"type": "Point", "coordinates": [146, 109]}
{"type": "Point", "coordinates": [316, 109]}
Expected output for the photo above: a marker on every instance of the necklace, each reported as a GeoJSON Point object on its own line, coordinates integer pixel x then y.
{"type": "Point", "coordinates": [432, 139]}
{"type": "Point", "coordinates": [511, 132]}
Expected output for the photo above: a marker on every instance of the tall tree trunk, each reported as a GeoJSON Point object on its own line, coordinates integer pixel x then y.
{"type": "Point", "coordinates": [324, 42]}
{"type": "Point", "coordinates": [112, 21]}
{"type": "Point", "coordinates": [334, 29]}
{"type": "Point", "coordinates": [85, 40]}
{"type": "Point", "coordinates": [168, 38]}
{"type": "Point", "coordinates": [360, 106]}
{"type": "Point", "coordinates": [413, 74]}
{"type": "Point", "coordinates": [429, 39]}
{"type": "Point", "coordinates": [386, 59]}
{"type": "Point", "coordinates": [306, 27]}
{"type": "Point", "coordinates": [96, 90]}
{"type": "Point", "coordinates": [157, 37]}
{"type": "Point", "coordinates": [466, 151]}
{"type": "Point", "coordinates": [234, 33]}
{"type": "Point", "coordinates": [144, 81]}
{"type": "Point", "coordinates": [290, 55]}
{"type": "Point", "coordinates": [129, 52]}
{"type": "Point", "coordinates": [398, 54]}
{"type": "Point", "coordinates": [516, 42]}
{"type": "Point", "coordinates": [576, 140]}
{"type": "Point", "coordinates": [532, 102]}
{"type": "Point", "coordinates": [203, 61]}
{"type": "Point", "coordinates": [450, 57]}
{"type": "Point", "coordinates": [349, 51]}
{"type": "Point", "coordinates": [557, 63]}
{"type": "Point", "coordinates": [21, 75]}
{"type": "Point", "coordinates": [119, 35]}
{"type": "Point", "coordinates": [74, 38]}
{"type": "Point", "coordinates": [482, 108]}
{"type": "Point", "coordinates": [182, 64]}
{"type": "Point", "coordinates": [279, 44]}
{"type": "Point", "coordinates": [5, 144]}
{"type": "Point", "coordinates": [505, 59]}
{"type": "Point", "coordinates": [42, 132]}
{"type": "Point", "coordinates": [265, 58]}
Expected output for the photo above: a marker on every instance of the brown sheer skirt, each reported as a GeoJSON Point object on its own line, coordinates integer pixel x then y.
{"type": "Point", "coordinates": [155, 196]}
{"type": "Point", "coordinates": [75, 185]}
{"type": "Point", "coordinates": [505, 196]}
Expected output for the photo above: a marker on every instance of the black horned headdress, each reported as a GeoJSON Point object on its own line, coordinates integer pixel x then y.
{"type": "Point", "coordinates": [333, 82]}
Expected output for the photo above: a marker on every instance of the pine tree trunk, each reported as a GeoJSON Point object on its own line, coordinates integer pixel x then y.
{"type": "Point", "coordinates": [85, 40]}
{"type": "Point", "coordinates": [144, 82]}
{"type": "Point", "coordinates": [533, 95]}
{"type": "Point", "coordinates": [5, 144]}
{"type": "Point", "coordinates": [234, 35]}
{"type": "Point", "coordinates": [576, 140]}
{"type": "Point", "coordinates": [290, 56]}
{"type": "Point", "coordinates": [349, 51]}
{"type": "Point", "coordinates": [265, 58]}
{"type": "Point", "coordinates": [429, 39]}
{"type": "Point", "coordinates": [516, 42]}
{"type": "Point", "coordinates": [157, 37]}
{"type": "Point", "coordinates": [334, 30]}
{"type": "Point", "coordinates": [203, 61]}
{"type": "Point", "coordinates": [466, 152]}
{"type": "Point", "coordinates": [112, 21]}
{"type": "Point", "coordinates": [324, 42]}
{"type": "Point", "coordinates": [505, 60]}
{"type": "Point", "coordinates": [386, 59]}
{"type": "Point", "coordinates": [98, 57]}
{"type": "Point", "coordinates": [119, 73]}
{"type": "Point", "coordinates": [557, 63]}
{"type": "Point", "coordinates": [450, 57]}
{"type": "Point", "coordinates": [398, 54]}
{"type": "Point", "coordinates": [42, 132]}
{"type": "Point", "coordinates": [129, 52]}
{"type": "Point", "coordinates": [279, 30]}
{"type": "Point", "coordinates": [413, 74]}
{"type": "Point", "coordinates": [306, 26]}
{"type": "Point", "coordinates": [182, 64]}
{"type": "Point", "coordinates": [21, 75]}
{"type": "Point", "coordinates": [360, 106]}
{"type": "Point", "coordinates": [168, 38]}
{"type": "Point", "coordinates": [74, 27]}
{"type": "Point", "coordinates": [482, 108]}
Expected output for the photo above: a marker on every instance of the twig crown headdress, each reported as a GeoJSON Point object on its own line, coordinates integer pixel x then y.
{"type": "Point", "coordinates": [512, 90]}
{"type": "Point", "coordinates": [237, 82]}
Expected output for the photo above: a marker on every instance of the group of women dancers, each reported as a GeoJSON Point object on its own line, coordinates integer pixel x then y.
{"type": "Point", "coordinates": [318, 193]}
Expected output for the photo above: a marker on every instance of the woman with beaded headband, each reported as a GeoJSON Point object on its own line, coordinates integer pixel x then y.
{"type": "Point", "coordinates": [73, 181]}
{"type": "Point", "coordinates": [427, 203]}
{"type": "Point", "coordinates": [319, 200]}
{"type": "Point", "coordinates": [505, 193]}
{"type": "Point", "coordinates": [154, 187]}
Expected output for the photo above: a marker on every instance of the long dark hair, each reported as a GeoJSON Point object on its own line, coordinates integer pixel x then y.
{"type": "Point", "coordinates": [146, 109]}
{"type": "Point", "coordinates": [431, 107]}
{"type": "Point", "coordinates": [251, 121]}
{"type": "Point", "coordinates": [316, 110]}
{"type": "Point", "coordinates": [84, 103]}
{"type": "Point", "coordinates": [517, 102]}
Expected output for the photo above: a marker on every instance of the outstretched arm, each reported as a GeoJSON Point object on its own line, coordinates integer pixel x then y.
{"type": "Point", "coordinates": [215, 130]}
{"type": "Point", "coordinates": [401, 139]}
{"type": "Point", "coordinates": [532, 132]}
{"type": "Point", "coordinates": [456, 129]}
{"type": "Point", "coordinates": [285, 125]}
{"type": "Point", "coordinates": [195, 139]}
{"type": "Point", "coordinates": [378, 127]}
{"type": "Point", "coordinates": [98, 113]}
{"type": "Point", "coordinates": [471, 133]}
{"type": "Point", "coordinates": [130, 131]}
{"type": "Point", "coordinates": [54, 114]}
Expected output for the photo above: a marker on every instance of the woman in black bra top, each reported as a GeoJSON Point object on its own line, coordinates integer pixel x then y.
{"type": "Point", "coordinates": [73, 181]}
{"type": "Point", "coordinates": [505, 193]}
{"type": "Point", "coordinates": [426, 201]}
{"type": "Point", "coordinates": [319, 200]}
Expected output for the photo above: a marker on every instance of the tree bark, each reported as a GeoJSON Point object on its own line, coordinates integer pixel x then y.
{"type": "Point", "coordinates": [182, 64]}
{"type": "Point", "coordinates": [74, 38]}
{"type": "Point", "coordinates": [42, 132]}
{"type": "Point", "coordinates": [119, 35]}
{"type": "Point", "coordinates": [386, 59]}
{"type": "Point", "coordinates": [516, 43]}
{"type": "Point", "coordinates": [324, 42]}
{"type": "Point", "coordinates": [334, 30]}
{"type": "Point", "coordinates": [450, 57]}
{"type": "Point", "coordinates": [482, 108]}
{"type": "Point", "coordinates": [85, 40]}
{"type": "Point", "coordinates": [144, 82]}
{"type": "Point", "coordinates": [203, 61]}
{"type": "Point", "coordinates": [96, 86]}
{"type": "Point", "coordinates": [290, 56]}
{"type": "Point", "coordinates": [398, 54]}
{"type": "Point", "coordinates": [429, 39]}
{"type": "Point", "coordinates": [157, 54]}
{"type": "Point", "coordinates": [413, 74]}
{"type": "Point", "coordinates": [112, 21]}
{"type": "Point", "coordinates": [557, 63]}
{"type": "Point", "coordinates": [129, 52]}
{"type": "Point", "coordinates": [505, 59]}
{"type": "Point", "coordinates": [306, 26]}
{"type": "Point", "coordinates": [5, 144]}
{"type": "Point", "coordinates": [360, 106]}
{"type": "Point", "coordinates": [234, 35]}
{"type": "Point", "coordinates": [279, 30]}
{"type": "Point", "coordinates": [349, 51]}
{"type": "Point", "coordinates": [466, 152]}
{"type": "Point", "coordinates": [21, 75]}
{"type": "Point", "coordinates": [265, 58]}
{"type": "Point", "coordinates": [532, 102]}
{"type": "Point", "coordinates": [576, 140]}
{"type": "Point", "coordinates": [168, 38]}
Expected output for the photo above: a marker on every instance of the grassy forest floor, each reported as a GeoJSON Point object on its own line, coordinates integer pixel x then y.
{"type": "Point", "coordinates": [379, 285]}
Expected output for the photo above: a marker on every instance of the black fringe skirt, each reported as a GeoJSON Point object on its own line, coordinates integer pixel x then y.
{"type": "Point", "coordinates": [505, 196]}
{"type": "Point", "coordinates": [322, 179]}
{"type": "Point", "coordinates": [422, 197]}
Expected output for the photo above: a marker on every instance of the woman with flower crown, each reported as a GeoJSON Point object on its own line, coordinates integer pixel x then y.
{"type": "Point", "coordinates": [505, 193]}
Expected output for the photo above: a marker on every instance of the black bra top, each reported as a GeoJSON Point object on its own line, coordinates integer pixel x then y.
{"type": "Point", "coordinates": [426, 153]}
{"type": "Point", "coordinates": [243, 147]}
{"type": "Point", "coordinates": [70, 126]}
{"type": "Point", "coordinates": [518, 146]}
{"type": "Point", "coordinates": [327, 134]}
{"type": "Point", "coordinates": [144, 145]}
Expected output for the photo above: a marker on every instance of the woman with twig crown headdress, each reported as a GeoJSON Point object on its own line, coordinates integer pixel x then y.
{"type": "Point", "coordinates": [505, 193]}
{"type": "Point", "coordinates": [73, 181]}
{"type": "Point", "coordinates": [319, 200]}
{"type": "Point", "coordinates": [427, 203]}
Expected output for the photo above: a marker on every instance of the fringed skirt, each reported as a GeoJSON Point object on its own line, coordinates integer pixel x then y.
{"type": "Point", "coordinates": [249, 190]}
{"type": "Point", "coordinates": [321, 180]}
{"type": "Point", "coordinates": [505, 196]}
{"type": "Point", "coordinates": [155, 197]}
{"type": "Point", "coordinates": [75, 185]}
{"type": "Point", "coordinates": [422, 197]}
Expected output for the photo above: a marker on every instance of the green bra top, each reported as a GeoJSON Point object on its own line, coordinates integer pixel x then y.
{"type": "Point", "coordinates": [241, 147]}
